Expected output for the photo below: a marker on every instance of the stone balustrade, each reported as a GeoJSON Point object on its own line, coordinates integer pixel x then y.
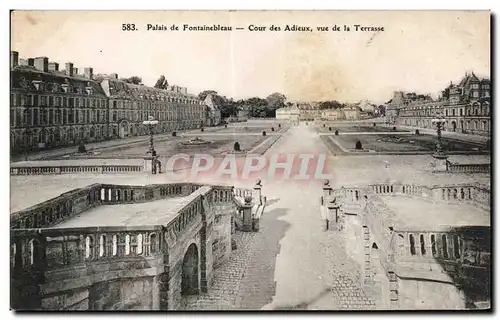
{"type": "Point", "coordinates": [468, 168]}
{"type": "Point", "coordinates": [474, 192]}
{"type": "Point", "coordinates": [31, 240]}
{"type": "Point", "coordinates": [69, 204]}
{"type": "Point", "coordinates": [449, 245]}
{"type": "Point", "coordinates": [242, 193]}
{"type": "Point", "coordinates": [40, 250]}
{"type": "Point", "coordinates": [42, 170]}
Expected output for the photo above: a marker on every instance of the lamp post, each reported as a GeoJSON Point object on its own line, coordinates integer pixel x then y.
{"type": "Point", "coordinates": [150, 123]}
{"type": "Point", "coordinates": [441, 159]}
{"type": "Point", "coordinates": [439, 122]}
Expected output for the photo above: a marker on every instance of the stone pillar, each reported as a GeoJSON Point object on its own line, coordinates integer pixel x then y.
{"type": "Point", "coordinates": [258, 191]}
{"type": "Point", "coordinates": [440, 162]}
{"type": "Point", "coordinates": [327, 189]}
{"type": "Point", "coordinates": [334, 216]}
{"type": "Point", "coordinates": [148, 162]}
{"type": "Point", "coordinates": [247, 214]}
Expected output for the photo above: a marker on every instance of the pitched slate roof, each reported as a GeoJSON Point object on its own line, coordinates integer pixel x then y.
{"type": "Point", "coordinates": [116, 88]}
{"type": "Point", "coordinates": [22, 77]}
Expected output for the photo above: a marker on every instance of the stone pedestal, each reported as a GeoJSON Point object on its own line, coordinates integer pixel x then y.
{"type": "Point", "coordinates": [440, 162]}
{"type": "Point", "coordinates": [148, 162]}
{"type": "Point", "coordinates": [247, 217]}
{"type": "Point", "coordinates": [333, 216]}
{"type": "Point", "coordinates": [258, 193]}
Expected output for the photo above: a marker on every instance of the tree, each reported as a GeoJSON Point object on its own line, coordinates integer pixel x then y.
{"type": "Point", "coordinates": [276, 101]}
{"type": "Point", "coordinates": [133, 80]}
{"type": "Point", "coordinates": [330, 105]}
{"type": "Point", "coordinates": [161, 83]}
{"type": "Point", "coordinates": [203, 95]}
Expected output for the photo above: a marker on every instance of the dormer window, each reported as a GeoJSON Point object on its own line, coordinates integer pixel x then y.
{"type": "Point", "coordinates": [38, 85]}
{"type": "Point", "coordinates": [65, 88]}
{"type": "Point", "coordinates": [90, 91]}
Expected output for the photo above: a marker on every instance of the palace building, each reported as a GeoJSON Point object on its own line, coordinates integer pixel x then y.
{"type": "Point", "coordinates": [50, 107]}
{"type": "Point", "coordinates": [465, 107]}
{"type": "Point", "coordinates": [131, 104]}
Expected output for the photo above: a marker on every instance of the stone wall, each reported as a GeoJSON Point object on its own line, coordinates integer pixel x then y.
{"type": "Point", "coordinates": [139, 266]}
{"type": "Point", "coordinates": [122, 294]}
{"type": "Point", "coordinates": [424, 295]}
{"type": "Point", "coordinates": [420, 260]}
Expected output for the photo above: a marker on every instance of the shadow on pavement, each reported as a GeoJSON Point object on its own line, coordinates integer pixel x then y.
{"type": "Point", "coordinates": [258, 287]}
{"type": "Point", "coordinates": [272, 201]}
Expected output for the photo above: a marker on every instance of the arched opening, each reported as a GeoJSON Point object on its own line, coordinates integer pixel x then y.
{"type": "Point", "coordinates": [190, 283]}
{"type": "Point", "coordinates": [123, 128]}
{"type": "Point", "coordinates": [102, 246]}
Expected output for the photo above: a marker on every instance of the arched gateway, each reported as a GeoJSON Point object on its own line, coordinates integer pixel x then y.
{"type": "Point", "coordinates": [123, 128]}
{"type": "Point", "coordinates": [190, 272]}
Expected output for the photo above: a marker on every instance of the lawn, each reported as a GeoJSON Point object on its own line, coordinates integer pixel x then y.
{"type": "Point", "coordinates": [406, 143]}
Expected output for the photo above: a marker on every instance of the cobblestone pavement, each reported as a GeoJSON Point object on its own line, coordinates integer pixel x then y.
{"type": "Point", "coordinates": [226, 278]}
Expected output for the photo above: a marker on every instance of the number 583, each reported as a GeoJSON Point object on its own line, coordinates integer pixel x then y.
{"type": "Point", "coordinates": [128, 27]}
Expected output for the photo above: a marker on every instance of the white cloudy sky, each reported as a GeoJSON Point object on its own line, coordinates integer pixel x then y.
{"type": "Point", "coordinates": [419, 51]}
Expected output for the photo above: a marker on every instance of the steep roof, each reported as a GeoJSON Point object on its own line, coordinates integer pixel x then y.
{"type": "Point", "coordinates": [116, 88]}
{"type": "Point", "coordinates": [468, 79]}
{"type": "Point", "coordinates": [22, 77]}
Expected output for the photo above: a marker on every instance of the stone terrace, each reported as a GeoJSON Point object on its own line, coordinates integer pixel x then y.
{"type": "Point", "coordinates": [414, 214]}
{"type": "Point", "coordinates": [158, 212]}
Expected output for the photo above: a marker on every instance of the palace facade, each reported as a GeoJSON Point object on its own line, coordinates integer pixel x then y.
{"type": "Point", "coordinates": [131, 104]}
{"type": "Point", "coordinates": [312, 111]}
{"type": "Point", "coordinates": [466, 107]}
{"type": "Point", "coordinates": [50, 107]}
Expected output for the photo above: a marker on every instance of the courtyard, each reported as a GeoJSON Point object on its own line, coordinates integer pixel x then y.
{"type": "Point", "coordinates": [214, 142]}
{"type": "Point", "coordinates": [356, 128]}
{"type": "Point", "coordinates": [406, 143]}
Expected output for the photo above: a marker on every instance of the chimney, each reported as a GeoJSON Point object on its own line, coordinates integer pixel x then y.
{"type": "Point", "coordinates": [69, 69]}
{"type": "Point", "coordinates": [42, 63]}
{"type": "Point", "coordinates": [75, 71]}
{"type": "Point", "coordinates": [53, 66]}
{"type": "Point", "coordinates": [14, 59]}
{"type": "Point", "coordinates": [88, 72]}
{"type": "Point", "coordinates": [31, 62]}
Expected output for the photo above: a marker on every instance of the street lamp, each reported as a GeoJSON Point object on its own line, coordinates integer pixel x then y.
{"type": "Point", "coordinates": [150, 123]}
{"type": "Point", "coordinates": [439, 122]}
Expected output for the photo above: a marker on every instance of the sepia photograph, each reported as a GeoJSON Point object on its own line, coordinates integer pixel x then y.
{"type": "Point", "coordinates": [234, 160]}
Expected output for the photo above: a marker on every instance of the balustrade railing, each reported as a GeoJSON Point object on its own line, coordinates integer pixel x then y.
{"type": "Point", "coordinates": [242, 193]}
{"type": "Point", "coordinates": [476, 168]}
{"type": "Point", "coordinates": [60, 208]}
{"type": "Point", "coordinates": [41, 170]}
{"type": "Point", "coordinates": [49, 249]}
{"type": "Point", "coordinates": [469, 192]}
{"type": "Point", "coordinates": [454, 246]}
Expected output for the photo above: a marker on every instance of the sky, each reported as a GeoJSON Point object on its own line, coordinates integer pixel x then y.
{"type": "Point", "coordinates": [419, 51]}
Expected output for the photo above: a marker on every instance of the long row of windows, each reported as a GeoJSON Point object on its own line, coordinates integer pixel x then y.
{"type": "Point", "coordinates": [37, 117]}
{"type": "Point", "coordinates": [156, 104]}
{"type": "Point", "coordinates": [161, 116]}
{"type": "Point", "coordinates": [20, 100]}
{"type": "Point", "coordinates": [481, 111]}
